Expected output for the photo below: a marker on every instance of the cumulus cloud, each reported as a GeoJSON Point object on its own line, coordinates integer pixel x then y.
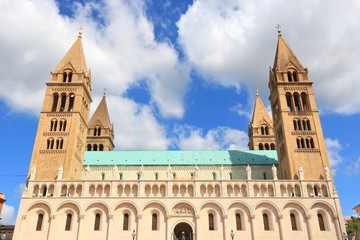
{"type": "Point", "coordinates": [7, 215]}
{"type": "Point", "coordinates": [334, 148]}
{"type": "Point", "coordinates": [232, 43]}
{"type": "Point", "coordinates": [192, 138]}
{"type": "Point", "coordinates": [353, 168]}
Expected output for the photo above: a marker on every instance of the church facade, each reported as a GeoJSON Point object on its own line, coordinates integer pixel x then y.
{"type": "Point", "coordinates": [78, 187]}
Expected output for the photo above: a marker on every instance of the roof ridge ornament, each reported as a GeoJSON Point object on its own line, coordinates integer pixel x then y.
{"type": "Point", "coordinates": [278, 27]}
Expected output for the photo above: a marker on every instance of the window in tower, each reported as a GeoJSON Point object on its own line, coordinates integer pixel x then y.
{"type": "Point", "coordinates": [321, 222]}
{"type": "Point", "coordinates": [211, 222]}
{"type": "Point", "coordinates": [97, 222]}
{"type": "Point", "coordinates": [295, 76]}
{"type": "Point", "coordinates": [302, 143]}
{"type": "Point", "coordinates": [295, 124]}
{"type": "Point", "coordinates": [95, 147]}
{"type": "Point", "coordinates": [289, 75]}
{"type": "Point", "coordinates": [312, 145]}
{"type": "Point", "coordinates": [266, 222]}
{"type": "Point", "coordinates": [293, 222]}
{"type": "Point", "coordinates": [267, 147]}
{"type": "Point", "coordinates": [101, 147]}
{"type": "Point", "coordinates": [68, 222]}
{"type": "Point", "coordinates": [272, 146]}
{"type": "Point", "coordinates": [55, 102]}
{"type": "Point", "coordinates": [238, 222]}
{"type": "Point", "coordinates": [154, 222]}
{"type": "Point", "coordinates": [39, 222]}
{"type": "Point", "coordinates": [126, 222]}
{"type": "Point", "coordinates": [308, 125]}
{"type": "Point", "coordinates": [59, 143]}
{"type": "Point", "coordinates": [64, 76]}
{"type": "Point", "coordinates": [71, 102]}
{"type": "Point", "coordinates": [98, 131]}
{"type": "Point", "coordinates": [62, 125]}
{"type": "Point", "coordinates": [50, 143]}
{"type": "Point", "coordinates": [214, 175]}
{"type": "Point", "coordinates": [299, 124]}
{"type": "Point", "coordinates": [297, 102]}
{"type": "Point", "coordinates": [102, 176]}
{"type": "Point", "coordinates": [89, 147]}
{"type": "Point", "coordinates": [304, 101]}
{"type": "Point", "coordinates": [70, 76]}
{"type": "Point", "coordinates": [53, 125]}
{"type": "Point", "coordinates": [63, 102]}
{"type": "Point", "coordinates": [289, 101]}
{"type": "Point", "coordinates": [261, 146]}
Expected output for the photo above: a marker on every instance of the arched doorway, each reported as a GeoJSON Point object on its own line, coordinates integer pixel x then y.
{"type": "Point", "coordinates": [183, 231]}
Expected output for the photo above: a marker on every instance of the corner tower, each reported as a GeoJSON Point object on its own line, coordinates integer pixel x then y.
{"type": "Point", "coordinates": [298, 132]}
{"type": "Point", "coordinates": [260, 129]}
{"type": "Point", "coordinates": [61, 136]}
{"type": "Point", "coordinates": [101, 130]}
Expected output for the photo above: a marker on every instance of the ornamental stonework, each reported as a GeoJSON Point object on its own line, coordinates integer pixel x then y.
{"type": "Point", "coordinates": [182, 210]}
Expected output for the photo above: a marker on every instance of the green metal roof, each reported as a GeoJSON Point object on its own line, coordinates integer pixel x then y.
{"type": "Point", "coordinates": [136, 158]}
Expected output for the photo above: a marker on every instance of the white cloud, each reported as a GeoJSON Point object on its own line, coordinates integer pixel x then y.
{"type": "Point", "coordinates": [353, 168]}
{"type": "Point", "coordinates": [334, 148]}
{"type": "Point", "coordinates": [7, 215]}
{"type": "Point", "coordinates": [233, 42]}
{"type": "Point", "coordinates": [192, 138]}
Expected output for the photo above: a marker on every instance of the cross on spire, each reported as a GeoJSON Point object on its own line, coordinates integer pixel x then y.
{"type": "Point", "coordinates": [81, 30]}
{"type": "Point", "coordinates": [104, 92]}
{"type": "Point", "coordinates": [278, 27]}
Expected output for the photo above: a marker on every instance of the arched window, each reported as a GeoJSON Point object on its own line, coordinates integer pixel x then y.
{"type": "Point", "coordinates": [95, 147]}
{"type": "Point", "coordinates": [297, 102]}
{"type": "Point", "coordinates": [211, 222]}
{"type": "Point", "coordinates": [238, 222]}
{"type": "Point", "coordinates": [295, 124]}
{"type": "Point", "coordinates": [266, 222]}
{"type": "Point", "coordinates": [120, 176]}
{"type": "Point", "coordinates": [63, 102]}
{"type": "Point", "coordinates": [304, 125]}
{"type": "Point", "coordinates": [71, 102]}
{"type": "Point", "coordinates": [59, 143]}
{"type": "Point", "coordinates": [156, 176]}
{"type": "Point", "coordinates": [308, 125]}
{"type": "Point", "coordinates": [62, 125]}
{"type": "Point", "coordinates": [102, 176]}
{"type": "Point", "coordinates": [262, 130]}
{"type": "Point", "coordinates": [97, 222]}
{"type": "Point", "coordinates": [289, 75]}
{"type": "Point", "coordinates": [231, 176]}
{"type": "Point", "coordinates": [293, 222]}
{"type": "Point", "coordinates": [53, 125]}
{"type": "Point", "coordinates": [55, 102]}
{"type": "Point", "coordinates": [299, 124]}
{"type": "Point", "coordinates": [70, 76]}
{"type": "Point", "coordinates": [39, 222]}
{"type": "Point", "coordinates": [101, 147]}
{"type": "Point", "coordinates": [302, 143]}
{"type": "Point", "coordinates": [154, 222]}
{"type": "Point", "coordinates": [50, 143]}
{"type": "Point", "coordinates": [174, 175]}
{"type": "Point", "coordinates": [126, 222]}
{"type": "Point", "coordinates": [261, 146]}
{"type": "Point", "coordinates": [289, 101]}
{"type": "Point", "coordinates": [64, 76]}
{"type": "Point", "coordinates": [312, 145]}
{"type": "Point", "coordinates": [89, 147]}
{"type": "Point", "coordinates": [264, 175]}
{"type": "Point", "coordinates": [295, 76]}
{"type": "Point", "coordinates": [304, 101]}
{"type": "Point", "coordinates": [266, 130]}
{"type": "Point", "coordinates": [298, 143]}
{"type": "Point", "coordinates": [138, 176]}
{"type": "Point", "coordinates": [321, 222]}
{"type": "Point", "coordinates": [267, 147]}
{"type": "Point", "coordinates": [307, 140]}
{"type": "Point", "coordinates": [272, 146]}
{"type": "Point", "coordinates": [68, 222]}
{"type": "Point", "coordinates": [99, 131]}
{"type": "Point", "coordinates": [214, 175]}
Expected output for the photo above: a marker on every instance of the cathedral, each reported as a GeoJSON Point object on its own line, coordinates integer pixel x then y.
{"type": "Point", "coordinates": [79, 187]}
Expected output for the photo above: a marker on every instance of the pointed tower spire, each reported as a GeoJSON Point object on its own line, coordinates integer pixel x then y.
{"type": "Point", "coordinates": [285, 57]}
{"type": "Point", "coordinates": [260, 129]}
{"type": "Point", "coordinates": [100, 129]}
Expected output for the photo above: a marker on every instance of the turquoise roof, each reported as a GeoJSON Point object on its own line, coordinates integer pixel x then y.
{"type": "Point", "coordinates": [181, 158]}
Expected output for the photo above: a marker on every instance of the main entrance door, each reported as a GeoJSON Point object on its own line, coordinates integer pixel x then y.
{"type": "Point", "coordinates": [183, 231]}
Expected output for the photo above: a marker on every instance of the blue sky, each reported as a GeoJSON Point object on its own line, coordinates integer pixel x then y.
{"type": "Point", "coordinates": [180, 74]}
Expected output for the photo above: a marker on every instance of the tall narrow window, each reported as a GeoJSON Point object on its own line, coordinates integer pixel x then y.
{"type": "Point", "coordinates": [262, 131]}
{"type": "Point", "coordinates": [321, 222]}
{"type": "Point", "coordinates": [97, 222]}
{"type": "Point", "coordinates": [297, 102]}
{"type": "Point", "coordinates": [156, 176]}
{"type": "Point", "coordinates": [62, 125]}
{"type": "Point", "coordinates": [272, 146]}
{"type": "Point", "coordinates": [289, 75]}
{"type": "Point", "coordinates": [266, 130]}
{"type": "Point", "coordinates": [89, 147]}
{"type": "Point", "coordinates": [312, 145]}
{"type": "Point", "coordinates": [214, 175]}
{"type": "Point", "coordinates": [299, 124]}
{"type": "Point", "coordinates": [102, 176]}
{"type": "Point", "coordinates": [120, 176]}
{"type": "Point", "coordinates": [95, 147]}
{"type": "Point", "coordinates": [289, 101]}
{"type": "Point", "coordinates": [308, 125]}
{"type": "Point", "coordinates": [211, 222]}
{"type": "Point", "coordinates": [307, 143]}
{"type": "Point", "coordinates": [39, 222]}
{"type": "Point", "coordinates": [293, 222]}
{"type": "Point", "coordinates": [64, 76]}
{"type": "Point", "coordinates": [63, 102]}
{"type": "Point", "coordinates": [295, 76]}
{"type": "Point", "coordinates": [53, 125]}
{"type": "Point", "coordinates": [267, 147]}
{"type": "Point", "coordinates": [304, 101]}
{"type": "Point", "coordinates": [264, 175]}
{"type": "Point", "coordinates": [261, 146]}
{"type": "Point", "coordinates": [50, 143]}
{"type": "Point", "coordinates": [295, 125]}
{"type": "Point", "coordinates": [70, 76]}
{"type": "Point", "coordinates": [266, 222]}
{"type": "Point", "coordinates": [238, 221]}
{"type": "Point", "coordinates": [71, 102]}
{"type": "Point", "coordinates": [154, 222]}
{"type": "Point", "coordinates": [231, 176]}
{"type": "Point", "coordinates": [98, 131]}
{"type": "Point", "coordinates": [101, 147]}
{"type": "Point", "coordinates": [126, 222]}
{"type": "Point", "coordinates": [55, 102]}
{"type": "Point", "coordinates": [68, 222]}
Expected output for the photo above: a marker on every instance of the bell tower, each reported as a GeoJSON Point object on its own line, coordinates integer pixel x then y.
{"type": "Point", "coordinates": [61, 136]}
{"type": "Point", "coordinates": [297, 127]}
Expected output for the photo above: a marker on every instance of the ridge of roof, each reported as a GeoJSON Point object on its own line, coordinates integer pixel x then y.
{"type": "Point", "coordinates": [285, 56]}
{"type": "Point", "coordinates": [101, 114]}
{"type": "Point", "coordinates": [75, 56]}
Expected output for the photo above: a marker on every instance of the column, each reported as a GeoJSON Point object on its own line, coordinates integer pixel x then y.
{"type": "Point", "coordinates": [308, 226]}
{"type": "Point", "coordinates": [109, 226]}
{"type": "Point", "coordinates": [51, 229]}
{"type": "Point", "coordinates": [224, 227]}
{"type": "Point", "coordinates": [280, 226]}
{"type": "Point", "coordinates": [197, 230]}
{"type": "Point", "coordinates": [252, 219]}
{"type": "Point", "coordinates": [79, 233]}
